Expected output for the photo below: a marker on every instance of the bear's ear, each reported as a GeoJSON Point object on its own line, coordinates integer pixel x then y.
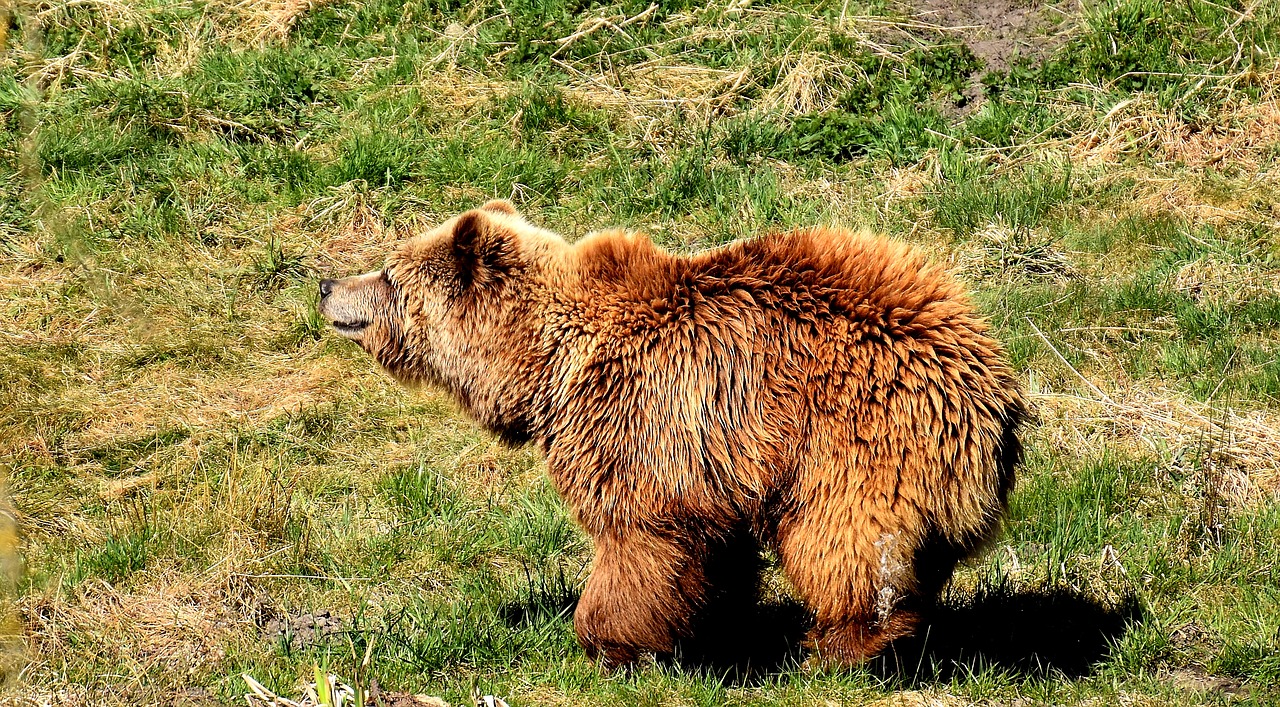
{"type": "Point", "coordinates": [483, 251]}
{"type": "Point", "coordinates": [500, 206]}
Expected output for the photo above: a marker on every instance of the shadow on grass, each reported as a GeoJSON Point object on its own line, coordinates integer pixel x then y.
{"type": "Point", "coordinates": [542, 607]}
{"type": "Point", "coordinates": [1027, 632]}
{"type": "Point", "coordinates": [1024, 632]}
{"type": "Point", "coordinates": [543, 597]}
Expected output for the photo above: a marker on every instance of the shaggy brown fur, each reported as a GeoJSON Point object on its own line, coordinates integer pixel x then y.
{"type": "Point", "coordinates": [823, 393]}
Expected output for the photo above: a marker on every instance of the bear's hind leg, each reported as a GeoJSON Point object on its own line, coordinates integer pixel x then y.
{"type": "Point", "coordinates": [859, 591]}
{"type": "Point", "coordinates": [859, 636]}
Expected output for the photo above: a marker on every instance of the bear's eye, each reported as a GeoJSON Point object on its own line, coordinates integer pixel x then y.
{"type": "Point", "coordinates": [385, 279]}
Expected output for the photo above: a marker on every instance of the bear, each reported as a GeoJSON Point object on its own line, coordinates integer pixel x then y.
{"type": "Point", "coordinates": [824, 394]}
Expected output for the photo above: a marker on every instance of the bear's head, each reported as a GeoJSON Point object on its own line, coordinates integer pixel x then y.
{"type": "Point", "coordinates": [460, 307]}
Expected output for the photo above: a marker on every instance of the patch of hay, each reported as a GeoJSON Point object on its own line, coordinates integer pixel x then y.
{"type": "Point", "coordinates": [238, 22]}
{"type": "Point", "coordinates": [920, 698]}
{"type": "Point", "coordinates": [1242, 134]}
{"type": "Point", "coordinates": [262, 21]}
{"type": "Point", "coordinates": [809, 82]}
{"type": "Point", "coordinates": [1183, 197]}
{"type": "Point", "coordinates": [1239, 450]}
{"type": "Point", "coordinates": [905, 184]}
{"type": "Point", "coordinates": [1213, 280]}
{"type": "Point", "coordinates": [177, 624]}
{"type": "Point", "coordinates": [1243, 138]}
{"type": "Point", "coordinates": [351, 226]}
{"type": "Point", "coordinates": [662, 82]}
{"type": "Point", "coordinates": [1206, 171]}
{"type": "Point", "coordinates": [999, 251]}
{"type": "Point", "coordinates": [459, 88]}
{"type": "Point", "coordinates": [166, 397]}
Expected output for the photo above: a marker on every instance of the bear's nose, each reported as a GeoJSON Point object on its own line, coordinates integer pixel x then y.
{"type": "Point", "coordinates": [326, 286]}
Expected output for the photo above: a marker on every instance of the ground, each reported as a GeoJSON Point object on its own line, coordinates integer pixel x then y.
{"type": "Point", "coordinates": [203, 483]}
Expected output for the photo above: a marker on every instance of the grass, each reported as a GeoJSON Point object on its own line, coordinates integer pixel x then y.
{"type": "Point", "coordinates": [192, 460]}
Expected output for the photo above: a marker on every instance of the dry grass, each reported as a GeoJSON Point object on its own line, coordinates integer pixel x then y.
{"type": "Point", "coordinates": [1218, 281]}
{"type": "Point", "coordinates": [175, 371]}
{"type": "Point", "coordinates": [1240, 449]}
{"type": "Point", "coordinates": [1158, 196]}
{"type": "Point", "coordinates": [809, 82]}
{"type": "Point", "coordinates": [242, 23]}
{"type": "Point", "coordinates": [266, 20]}
{"type": "Point", "coordinates": [999, 251]}
{"type": "Point", "coordinates": [906, 184]}
{"type": "Point", "coordinates": [177, 623]}
{"type": "Point", "coordinates": [13, 638]}
{"type": "Point", "coordinates": [166, 397]}
{"type": "Point", "coordinates": [1242, 135]}
{"type": "Point", "coordinates": [348, 230]}
{"type": "Point", "coordinates": [649, 92]}
{"type": "Point", "coordinates": [1209, 171]}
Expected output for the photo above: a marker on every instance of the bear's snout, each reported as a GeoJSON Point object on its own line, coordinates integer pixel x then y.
{"type": "Point", "coordinates": [351, 304]}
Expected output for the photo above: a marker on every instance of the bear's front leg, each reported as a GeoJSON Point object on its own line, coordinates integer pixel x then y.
{"type": "Point", "coordinates": [642, 596]}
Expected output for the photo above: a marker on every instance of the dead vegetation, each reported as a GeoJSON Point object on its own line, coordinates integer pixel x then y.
{"type": "Point", "coordinates": [1238, 450]}
{"type": "Point", "coordinates": [1001, 252]}
{"type": "Point", "coordinates": [1242, 135]}
{"type": "Point", "coordinates": [1180, 166]}
{"type": "Point", "coordinates": [1220, 281]}
{"type": "Point", "coordinates": [179, 624]}
{"type": "Point", "coordinates": [259, 21]}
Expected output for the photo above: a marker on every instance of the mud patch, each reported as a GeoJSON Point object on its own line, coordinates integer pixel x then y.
{"type": "Point", "coordinates": [404, 699]}
{"type": "Point", "coordinates": [303, 630]}
{"type": "Point", "coordinates": [998, 32]}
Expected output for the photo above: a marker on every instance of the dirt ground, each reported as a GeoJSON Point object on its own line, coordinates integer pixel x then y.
{"type": "Point", "coordinates": [998, 32]}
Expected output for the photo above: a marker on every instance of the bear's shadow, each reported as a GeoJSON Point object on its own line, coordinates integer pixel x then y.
{"type": "Point", "coordinates": [1024, 632]}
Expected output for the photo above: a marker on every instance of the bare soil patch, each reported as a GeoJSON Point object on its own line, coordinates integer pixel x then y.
{"type": "Point", "coordinates": [998, 32]}
{"type": "Point", "coordinates": [302, 630]}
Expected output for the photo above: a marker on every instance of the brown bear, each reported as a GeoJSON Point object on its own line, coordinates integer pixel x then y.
{"type": "Point", "coordinates": [823, 393]}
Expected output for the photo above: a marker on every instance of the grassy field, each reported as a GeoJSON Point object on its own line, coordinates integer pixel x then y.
{"type": "Point", "coordinates": [203, 482]}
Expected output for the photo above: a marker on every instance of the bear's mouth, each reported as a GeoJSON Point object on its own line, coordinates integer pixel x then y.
{"type": "Point", "coordinates": [350, 328]}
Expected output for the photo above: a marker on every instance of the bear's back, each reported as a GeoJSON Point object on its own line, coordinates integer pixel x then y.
{"type": "Point", "coordinates": [783, 358]}
{"type": "Point", "coordinates": [819, 277]}
{"type": "Point", "coordinates": [839, 270]}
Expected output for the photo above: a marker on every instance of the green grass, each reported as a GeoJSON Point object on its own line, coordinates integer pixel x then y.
{"type": "Point", "coordinates": [190, 455]}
